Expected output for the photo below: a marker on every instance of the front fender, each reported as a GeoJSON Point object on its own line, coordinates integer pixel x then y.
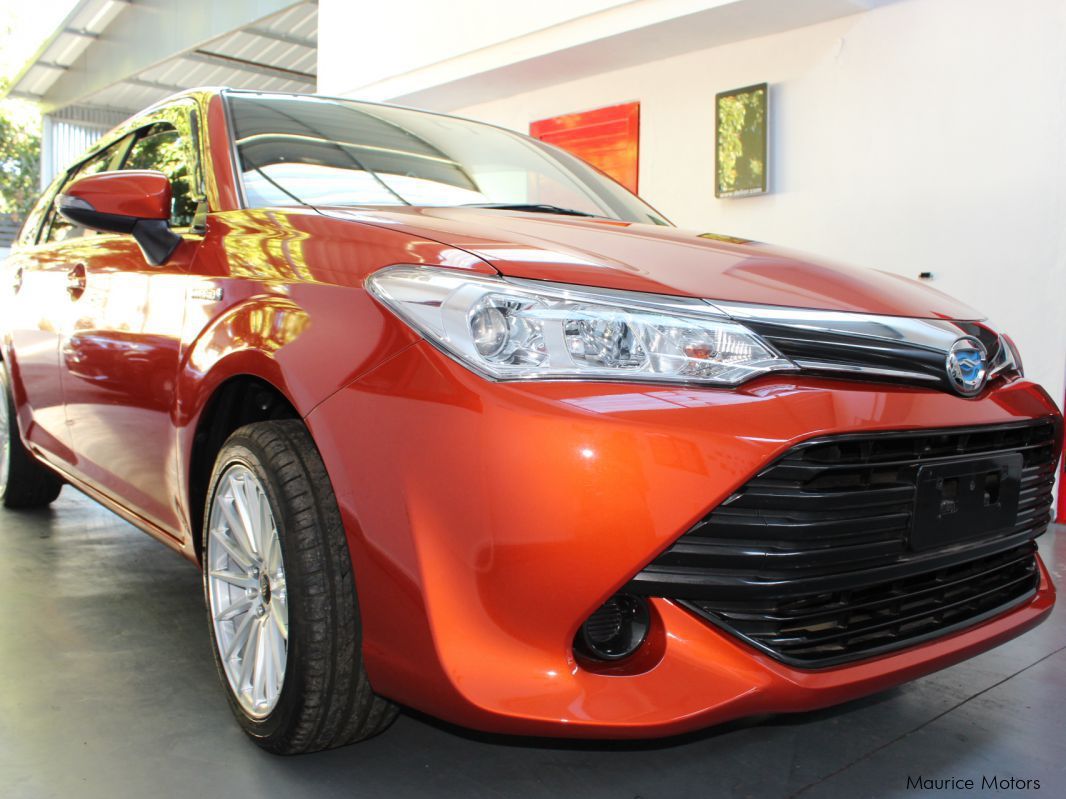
{"type": "Point", "coordinates": [305, 340]}
{"type": "Point", "coordinates": [244, 340]}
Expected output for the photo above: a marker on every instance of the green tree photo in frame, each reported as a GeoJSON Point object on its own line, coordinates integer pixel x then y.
{"type": "Point", "coordinates": [740, 142]}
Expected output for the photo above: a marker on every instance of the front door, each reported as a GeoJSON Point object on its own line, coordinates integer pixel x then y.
{"type": "Point", "coordinates": [121, 349]}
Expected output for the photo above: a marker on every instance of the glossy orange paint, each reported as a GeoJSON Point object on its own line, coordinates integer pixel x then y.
{"type": "Point", "coordinates": [485, 520]}
{"type": "Point", "coordinates": [662, 260]}
{"type": "Point", "coordinates": [488, 520]}
{"type": "Point", "coordinates": [137, 193]}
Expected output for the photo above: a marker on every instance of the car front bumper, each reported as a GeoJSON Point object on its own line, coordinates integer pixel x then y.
{"type": "Point", "coordinates": [486, 521]}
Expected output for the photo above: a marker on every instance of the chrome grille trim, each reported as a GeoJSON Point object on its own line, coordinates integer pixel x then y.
{"type": "Point", "coordinates": [868, 345]}
{"type": "Point", "coordinates": [861, 371]}
{"type": "Point", "coordinates": [932, 334]}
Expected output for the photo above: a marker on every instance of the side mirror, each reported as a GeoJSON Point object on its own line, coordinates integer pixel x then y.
{"type": "Point", "coordinates": [131, 201]}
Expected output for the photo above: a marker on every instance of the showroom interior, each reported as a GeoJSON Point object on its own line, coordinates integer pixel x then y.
{"type": "Point", "coordinates": [923, 138]}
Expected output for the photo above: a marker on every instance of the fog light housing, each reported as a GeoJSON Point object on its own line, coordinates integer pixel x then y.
{"type": "Point", "coordinates": [616, 630]}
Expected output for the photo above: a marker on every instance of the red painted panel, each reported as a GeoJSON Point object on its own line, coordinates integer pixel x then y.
{"type": "Point", "coordinates": [608, 138]}
{"type": "Point", "coordinates": [1061, 513]}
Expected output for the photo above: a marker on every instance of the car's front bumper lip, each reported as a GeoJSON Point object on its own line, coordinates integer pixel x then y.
{"type": "Point", "coordinates": [732, 680]}
{"type": "Point", "coordinates": [487, 520]}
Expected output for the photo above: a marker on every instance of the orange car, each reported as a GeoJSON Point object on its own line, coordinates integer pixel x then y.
{"type": "Point", "coordinates": [450, 419]}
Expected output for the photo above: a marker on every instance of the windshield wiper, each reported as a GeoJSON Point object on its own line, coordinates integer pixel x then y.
{"type": "Point", "coordinates": [540, 208]}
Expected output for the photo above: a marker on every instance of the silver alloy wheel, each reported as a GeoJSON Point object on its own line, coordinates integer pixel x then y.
{"type": "Point", "coordinates": [246, 591]}
{"type": "Point", "coordinates": [5, 435]}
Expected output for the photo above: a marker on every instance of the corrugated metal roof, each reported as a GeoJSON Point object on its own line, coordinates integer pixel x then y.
{"type": "Point", "coordinates": [279, 53]}
{"type": "Point", "coordinates": [78, 31]}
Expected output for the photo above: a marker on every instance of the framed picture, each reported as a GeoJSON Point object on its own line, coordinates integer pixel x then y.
{"type": "Point", "coordinates": [740, 146]}
{"type": "Point", "coordinates": [607, 138]}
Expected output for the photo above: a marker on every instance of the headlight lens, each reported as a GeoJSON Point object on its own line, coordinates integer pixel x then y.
{"type": "Point", "coordinates": [524, 330]}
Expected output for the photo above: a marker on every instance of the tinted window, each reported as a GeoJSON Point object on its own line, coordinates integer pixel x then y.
{"type": "Point", "coordinates": [28, 233]}
{"type": "Point", "coordinates": [322, 151]}
{"type": "Point", "coordinates": [59, 229]}
{"type": "Point", "coordinates": [161, 148]}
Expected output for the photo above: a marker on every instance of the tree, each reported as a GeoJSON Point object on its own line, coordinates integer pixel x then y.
{"type": "Point", "coordinates": [20, 163]}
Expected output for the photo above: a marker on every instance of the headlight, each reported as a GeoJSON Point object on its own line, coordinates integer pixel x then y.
{"type": "Point", "coordinates": [521, 330]}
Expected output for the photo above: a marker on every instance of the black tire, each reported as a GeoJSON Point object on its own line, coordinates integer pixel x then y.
{"type": "Point", "coordinates": [29, 484]}
{"type": "Point", "coordinates": [326, 699]}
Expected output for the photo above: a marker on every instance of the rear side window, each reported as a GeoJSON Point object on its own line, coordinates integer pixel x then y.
{"type": "Point", "coordinates": [28, 233]}
{"type": "Point", "coordinates": [160, 147]}
{"type": "Point", "coordinates": [56, 227]}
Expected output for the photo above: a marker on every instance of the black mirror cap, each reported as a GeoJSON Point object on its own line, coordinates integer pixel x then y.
{"type": "Point", "coordinates": [157, 241]}
{"type": "Point", "coordinates": [80, 212]}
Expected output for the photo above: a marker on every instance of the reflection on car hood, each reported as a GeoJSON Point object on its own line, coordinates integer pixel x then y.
{"type": "Point", "coordinates": [661, 260]}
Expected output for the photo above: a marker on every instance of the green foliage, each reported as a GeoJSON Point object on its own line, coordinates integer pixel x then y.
{"type": "Point", "coordinates": [20, 164]}
{"type": "Point", "coordinates": [741, 142]}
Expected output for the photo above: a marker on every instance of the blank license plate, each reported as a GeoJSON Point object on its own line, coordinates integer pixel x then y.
{"type": "Point", "coordinates": [961, 501]}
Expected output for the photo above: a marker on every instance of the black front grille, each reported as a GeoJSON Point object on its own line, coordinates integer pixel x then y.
{"type": "Point", "coordinates": [827, 527]}
{"type": "Point", "coordinates": [838, 626]}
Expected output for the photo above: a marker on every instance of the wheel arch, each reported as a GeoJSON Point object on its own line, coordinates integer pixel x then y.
{"type": "Point", "coordinates": [238, 400]}
{"type": "Point", "coordinates": [290, 350]}
{"type": "Point", "coordinates": [232, 374]}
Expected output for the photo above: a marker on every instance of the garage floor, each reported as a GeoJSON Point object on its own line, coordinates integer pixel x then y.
{"type": "Point", "coordinates": [107, 690]}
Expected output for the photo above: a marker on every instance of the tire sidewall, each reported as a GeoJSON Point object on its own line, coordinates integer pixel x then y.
{"type": "Point", "coordinates": [240, 450]}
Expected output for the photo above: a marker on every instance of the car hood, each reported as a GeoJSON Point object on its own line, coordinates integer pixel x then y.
{"type": "Point", "coordinates": [661, 260]}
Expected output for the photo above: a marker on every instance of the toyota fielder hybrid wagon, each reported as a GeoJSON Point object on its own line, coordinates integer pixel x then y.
{"type": "Point", "coordinates": [451, 420]}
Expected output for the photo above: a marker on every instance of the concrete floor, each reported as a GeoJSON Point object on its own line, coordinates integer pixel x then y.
{"type": "Point", "coordinates": [107, 690]}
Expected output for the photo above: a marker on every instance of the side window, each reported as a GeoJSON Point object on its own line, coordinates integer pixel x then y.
{"type": "Point", "coordinates": [161, 147]}
{"type": "Point", "coordinates": [28, 234]}
{"type": "Point", "coordinates": [59, 229]}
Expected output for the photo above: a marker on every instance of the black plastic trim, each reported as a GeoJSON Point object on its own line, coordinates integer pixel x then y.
{"type": "Point", "coordinates": [154, 236]}
{"type": "Point", "coordinates": [867, 654]}
{"type": "Point", "coordinates": [156, 239]}
{"type": "Point", "coordinates": [834, 515]}
{"type": "Point", "coordinates": [81, 213]}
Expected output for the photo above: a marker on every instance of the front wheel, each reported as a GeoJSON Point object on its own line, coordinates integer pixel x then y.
{"type": "Point", "coordinates": [281, 602]}
{"type": "Point", "coordinates": [24, 483]}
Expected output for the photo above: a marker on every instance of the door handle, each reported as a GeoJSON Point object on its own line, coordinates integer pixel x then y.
{"type": "Point", "coordinates": [16, 284]}
{"type": "Point", "coordinates": [76, 281]}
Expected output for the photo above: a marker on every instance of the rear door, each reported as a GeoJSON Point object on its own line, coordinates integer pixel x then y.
{"type": "Point", "coordinates": [120, 351]}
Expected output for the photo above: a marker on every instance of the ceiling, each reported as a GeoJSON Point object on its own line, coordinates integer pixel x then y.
{"type": "Point", "coordinates": [90, 62]}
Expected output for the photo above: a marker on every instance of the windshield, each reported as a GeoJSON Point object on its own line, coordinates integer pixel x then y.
{"type": "Point", "coordinates": [317, 151]}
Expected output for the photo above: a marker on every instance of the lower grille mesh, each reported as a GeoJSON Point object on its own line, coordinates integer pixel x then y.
{"type": "Point", "coordinates": [814, 559]}
{"type": "Point", "coordinates": [825, 629]}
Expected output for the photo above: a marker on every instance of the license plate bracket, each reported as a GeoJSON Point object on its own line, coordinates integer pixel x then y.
{"type": "Point", "coordinates": [972, 499]}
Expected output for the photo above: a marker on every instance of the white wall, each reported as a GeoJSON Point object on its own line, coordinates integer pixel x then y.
{"type": "Point", "coordinates": [924, 135]}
